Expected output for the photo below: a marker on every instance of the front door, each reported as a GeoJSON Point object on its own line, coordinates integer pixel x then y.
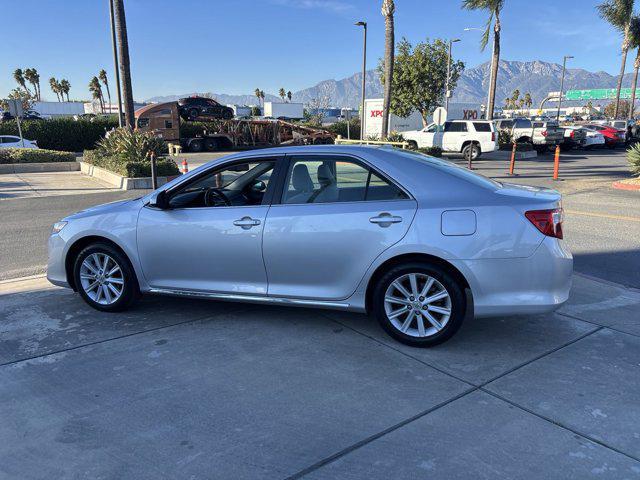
{"type": "Point", "coordinates": [336, 215]}
{"type": "Point", "coordinates": [210, 239]}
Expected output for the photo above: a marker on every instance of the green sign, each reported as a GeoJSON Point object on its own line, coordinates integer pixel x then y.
{"type": "Point", "coordinates": [597, 94]}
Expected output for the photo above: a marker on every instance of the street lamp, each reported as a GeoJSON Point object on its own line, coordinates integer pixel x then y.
{"type": "Point", "coordinates": [364, 74]}
{"type": "Point", "coordinates": [564, 68]}
{"type": "Point", "coordinates": [447, 93]}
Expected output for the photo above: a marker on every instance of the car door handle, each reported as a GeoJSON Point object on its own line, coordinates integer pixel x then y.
{"type": "Point", "coordinates": [385, 219]}
{"type": "Point", "coordinates": [246, 223]}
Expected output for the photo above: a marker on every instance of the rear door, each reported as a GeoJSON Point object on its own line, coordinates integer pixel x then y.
{"type": "Point", "coordinates": [335, 216]}
{"type": "Point", "coordinates": [455, 134]}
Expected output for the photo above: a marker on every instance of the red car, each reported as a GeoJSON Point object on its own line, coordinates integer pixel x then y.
{"type": "Point", "coordinates": [612, 136]}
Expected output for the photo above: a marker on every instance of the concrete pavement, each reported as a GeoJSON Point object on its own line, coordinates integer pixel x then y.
{"type": "Point", "coordinates": [29, 185]}
{"type": "Point", "coordinates": [179, 388]}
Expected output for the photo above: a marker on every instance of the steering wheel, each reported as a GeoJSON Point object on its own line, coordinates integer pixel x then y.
{"type": "Point", "coordinates": [215, 197]}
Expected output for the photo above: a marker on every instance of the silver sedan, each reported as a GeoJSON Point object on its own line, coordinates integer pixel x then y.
{"type": "Point", "coordinates": [418, 242]}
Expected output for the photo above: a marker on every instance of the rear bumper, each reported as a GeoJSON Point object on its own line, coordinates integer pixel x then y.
{"type": "Point", "coordinates": [521, 286]}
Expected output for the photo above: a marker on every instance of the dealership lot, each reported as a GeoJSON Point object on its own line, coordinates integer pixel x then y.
{"type": "Point", "coordinates": [179, 388]}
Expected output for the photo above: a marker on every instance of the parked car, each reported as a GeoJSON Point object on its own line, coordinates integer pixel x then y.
{"type": "Point", "coordinates": [592, 138]}
{"type": "Point", "coordinates": [541, 134]}
{"type": "Point", "coordinates": [613, 137]}
{"type": "Point", "coordinates": [193, 108]}
{"type": "Point", "coordinates": [393, 232]}
{"type": "Point", "coordinates": [11, 141]}
{"type": "Point", "coordinates": [573, 138]}
{"type": "Point", "coordinates": [457, 136]}
{"type": "Point", "coordinates": [28, 115]}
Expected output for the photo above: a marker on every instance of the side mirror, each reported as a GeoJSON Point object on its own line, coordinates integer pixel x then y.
{"type": "Point", "coordinates": [160, 201]}
{"type": "Point", "coordinates": [259, 186]}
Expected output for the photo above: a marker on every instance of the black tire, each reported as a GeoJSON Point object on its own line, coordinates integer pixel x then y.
{"type": "Point", "coordinates": [130, 289]}
{"type": "Point", "coordinates": [193, 113]}
{"type": "Point", "coordinates": [227, 114]}
{"type": "Point", "coordinates": [458, 303]}
{"type": "Point", "coordinates": [413, 145]}
{"type": "Point", "coordinates": [474, 148]}
{"type": "Point", "coordinates": [196, 146]}
{"type": "Point", "coordinates": [211, 144]}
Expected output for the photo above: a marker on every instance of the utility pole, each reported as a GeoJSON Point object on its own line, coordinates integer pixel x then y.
{"type": "Point", "coordinates": [116, 66]}
{"type": "Point", "coordinates": [447, 92]}
{"type": "Point", "coordinates": [364, 75]}
{"type": "Point", "coordinates": [564, 68]}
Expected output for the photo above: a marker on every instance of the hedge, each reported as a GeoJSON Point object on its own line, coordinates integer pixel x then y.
{"type": "Point", "coordinates": [431, 151]}
{"type": "Point", "coordinates": [64, 134]}
{"type": "Point", "coordinates": [32, 155]}
{"type": "Point", "coordinates": [165, 166]}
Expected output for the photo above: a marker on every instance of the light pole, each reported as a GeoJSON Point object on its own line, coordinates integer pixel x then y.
{"type": "Point", "coordinates": [447, 93]}
{"type": "Point", "coordinates": [364, 74]}
{"type": "Point", "coordinates": [564, 68]}
{"type": "Point", "coordinates": [116, 65]}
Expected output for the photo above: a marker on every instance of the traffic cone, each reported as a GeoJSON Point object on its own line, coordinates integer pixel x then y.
{"type": "Point", "coordinates": [185, 166]}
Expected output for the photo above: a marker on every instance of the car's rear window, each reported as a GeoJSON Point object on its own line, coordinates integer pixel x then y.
{"type": "Point", "coordinates": [482, 126]}
{"type": "Point", "coordinates": [452, 168]}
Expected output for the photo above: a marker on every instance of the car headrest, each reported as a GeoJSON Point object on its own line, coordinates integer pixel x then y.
{"type": "Point", "coordinates": [301, 179]}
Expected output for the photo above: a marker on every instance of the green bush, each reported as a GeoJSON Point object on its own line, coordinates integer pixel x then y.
{"type": "Point", "coordinates": [431, 151]}
{"type": "Point", "coordinates": [65, 134]}
{"type": "Point", "coordinates": [130, 146]}
{"type": "Point", "coordinates": [129, 168]}
{"type": "Point", "coordinates": [633, 157]}
{"type": "Point", "coordinates": [505, 138]}
{"type": "Point", "coordinates": [31, 155]}
{"type": "Point", "coordinates": [340, 128]}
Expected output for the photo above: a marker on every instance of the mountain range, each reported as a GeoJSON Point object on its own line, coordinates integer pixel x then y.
{"type": "Point", "coordinates": [536, 77]}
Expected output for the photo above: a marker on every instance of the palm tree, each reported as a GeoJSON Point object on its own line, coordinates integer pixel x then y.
{"type": "Point", "coordinates": [18, 76]}
{"type": "Point", "coordinates": [53, 83]}
{"type": "Point", "coordinates": [96, 89]}
{"type": "Point", "coordinates": [388, 9]}
{"type": "Point", "coordinates": [282, 94]}
{"type": "Point", "coordinates": [125, 63]}
{"type": "Point", "coordinates": [289, 95]}
{"type": "Point", "coordinates": [515, 96]}
{"type": "Point", "coordinates": [256, 92]}
{"type": "Point", "coordinates": [619, 14]}
{"type": "Point", "coordinates": [494, 8]}
{"type": "Point", "coordinates": [65, 86]}
{"type": "Point", "coordinates": [31, 75]}
{"type": "Point", "coordinates": [262, 97]}
{"type": "Point", "coordinates": [634, 42]}
{"type": "Point", "coordinates": [102, 75]}
{"type": "Point", "coordinates": [528, 101]}
{"type": "Point", "coordinates": [507, 103]}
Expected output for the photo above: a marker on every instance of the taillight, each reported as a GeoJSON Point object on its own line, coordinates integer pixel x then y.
{"type": "Point", "coordinates": [493, 136]}
{"type": "Point", "coordinates": [544, 133]}
{"type": "Point", "coordinates": [549, 222]}
{"type": "Point", "coordinates": [572, 134]}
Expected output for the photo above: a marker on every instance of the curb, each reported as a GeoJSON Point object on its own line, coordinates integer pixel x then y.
{"type": "Point", "coordinates": [10, 168]}
{"type": "Point", "coordinates": [118, 181]}
{"type": "Point", "coordinates": [625, 186]}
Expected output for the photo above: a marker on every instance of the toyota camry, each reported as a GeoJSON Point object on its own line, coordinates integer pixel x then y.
{"type": "Point", "coordinates": [418, 242]}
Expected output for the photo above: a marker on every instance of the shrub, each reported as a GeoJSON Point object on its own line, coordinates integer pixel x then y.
{"type": "Point", "coordinates": [130, 146]}
{"type": "Point", "coordinates": [65, 134]}
{"type": "Point", "coordinates": [505, 138]}
{"type": "Point", "coordinates": [431, 151]}
{"type": "Point", "coordinates": [633, 157]}
{"type": "Point", "coordinates": [131, 169]}
{"type": "Point", "coordinates": [29, 155]}
{"type": "Point", "coordinates": [340, 128]}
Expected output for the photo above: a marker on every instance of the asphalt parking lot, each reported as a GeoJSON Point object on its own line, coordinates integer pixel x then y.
{"type": "Point", "coordinates": [193, 389]}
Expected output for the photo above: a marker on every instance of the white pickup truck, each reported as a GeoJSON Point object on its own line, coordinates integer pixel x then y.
{"type": "Point", "coordinates": [457, 136]}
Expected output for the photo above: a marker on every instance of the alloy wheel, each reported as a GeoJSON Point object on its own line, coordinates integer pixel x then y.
{"type": "Point", "coordinates": [101, 278]}
{"type": "Point", "coordinates": [417, 305]}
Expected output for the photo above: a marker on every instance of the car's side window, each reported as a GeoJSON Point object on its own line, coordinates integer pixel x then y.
{"type": "Point", "coordinates": [335, 179]}
{"type": "Point", "coordinates": [236, 185]}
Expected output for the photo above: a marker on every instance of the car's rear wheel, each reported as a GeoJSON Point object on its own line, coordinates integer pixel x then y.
{"type": "Point", "coordinates": [211, 144]}
{"type": "Point", "coordinates": [196, 146]}
{"type": "Point", "coordinates": [419, 304]}
{"type": "Point", "coordinates": [105, 279]}
{"type": "Point", "coordinates": [471, 148]}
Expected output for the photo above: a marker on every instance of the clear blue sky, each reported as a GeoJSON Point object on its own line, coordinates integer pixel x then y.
{"type": "Point", "coordinates": [234, 46]}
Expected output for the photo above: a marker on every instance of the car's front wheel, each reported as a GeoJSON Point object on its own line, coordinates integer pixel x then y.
{"type": "Point", "coordinates": [419, 304]}
{"type": "Point", "coordinates": [105, 279]}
